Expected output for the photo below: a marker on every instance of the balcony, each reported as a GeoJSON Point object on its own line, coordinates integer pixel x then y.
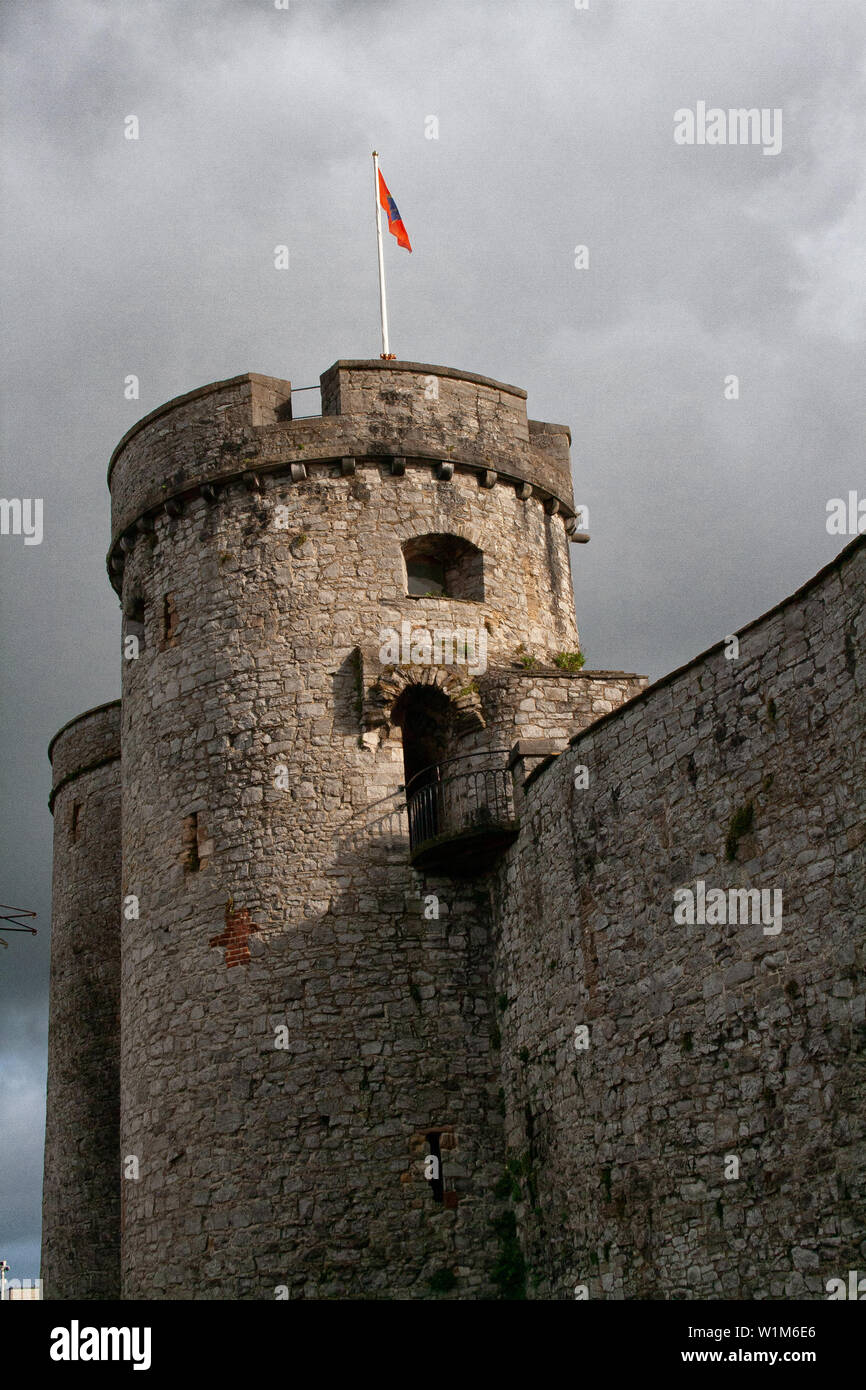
{"type": "Point", "coordinates": [461, 814]}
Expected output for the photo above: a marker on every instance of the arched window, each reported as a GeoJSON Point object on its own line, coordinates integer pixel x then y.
{"type": "Point", "coordinates": [443, 566]}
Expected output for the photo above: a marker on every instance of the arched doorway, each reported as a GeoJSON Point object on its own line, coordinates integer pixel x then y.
{"type": "Point", "coordinates": [425, 717]}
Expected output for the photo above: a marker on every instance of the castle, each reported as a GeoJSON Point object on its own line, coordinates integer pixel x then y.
{"type": "Point", "coordinates": [366, 978]}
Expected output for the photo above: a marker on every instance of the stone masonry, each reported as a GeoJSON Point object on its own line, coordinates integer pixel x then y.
{"type": "Point", "coordinates": [345, 1066]}
{"type": "Point", "coordinates": [81, 1216]}
{"type": "Point", "coordinates": [702, 1042]}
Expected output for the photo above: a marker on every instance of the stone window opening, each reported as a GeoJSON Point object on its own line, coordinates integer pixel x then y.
{"type": "Point", "coordinates": [134, 619]}
{"type": "Point", "coordinates": [196, 848]}
{"type": "Point", "coordinates": [169, 620]}
{"type": "Point", "coordinates": [437, 1182]}
{"type": "Point", "coordinates": [75, 821]}
{"type": "Point", "coordinates": [443, 566]}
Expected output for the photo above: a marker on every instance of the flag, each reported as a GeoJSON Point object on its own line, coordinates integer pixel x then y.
{"type": "Point", "coordinates": [395, 221]}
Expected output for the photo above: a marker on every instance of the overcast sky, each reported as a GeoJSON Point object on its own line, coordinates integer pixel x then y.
{"type": "Point", "coordinates": [556, 126]}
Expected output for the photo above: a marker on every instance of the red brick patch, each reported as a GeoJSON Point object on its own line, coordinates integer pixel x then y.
{"type": "Point", "coordinates": [235, 938]}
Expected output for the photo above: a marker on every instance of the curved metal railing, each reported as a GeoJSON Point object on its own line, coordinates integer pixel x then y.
{"type": "Point", "coordinates": [455, 796]}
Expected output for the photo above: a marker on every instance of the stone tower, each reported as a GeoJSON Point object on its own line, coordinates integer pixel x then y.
{"type": "Point", "coordinates": [326, 619]}
{"type": "Point", "coordinates": [81, 1217]}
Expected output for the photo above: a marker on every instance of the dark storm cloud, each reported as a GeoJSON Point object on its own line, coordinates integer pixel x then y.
{"type": "Point", "coordinates": [556, 129]}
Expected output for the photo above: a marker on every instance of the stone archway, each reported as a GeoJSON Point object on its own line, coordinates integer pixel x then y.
{"type": "Point", "coordinates": [383, 694]}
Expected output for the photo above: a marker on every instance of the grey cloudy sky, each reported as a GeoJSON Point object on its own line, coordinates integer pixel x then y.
{"type": "Point", "coordinates": [155, 257]}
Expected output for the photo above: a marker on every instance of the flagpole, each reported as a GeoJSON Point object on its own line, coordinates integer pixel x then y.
{"type": "Point", "coordinates": [383, 303]}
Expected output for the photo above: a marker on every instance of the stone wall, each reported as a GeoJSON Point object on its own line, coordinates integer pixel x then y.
{"type": "Point", "coordinates": [553, 704]}
{"type": "Point", "coordinates": [81, 1191]}
{"type": "Point", "coordinates": [708, 1048]}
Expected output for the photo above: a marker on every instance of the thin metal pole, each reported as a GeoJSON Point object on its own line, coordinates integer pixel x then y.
{"type": "Point", "coordinates": [383, 304]}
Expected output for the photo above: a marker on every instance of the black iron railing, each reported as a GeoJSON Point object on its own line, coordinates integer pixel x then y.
{"type": "Point", "coordinates": [459, 797]}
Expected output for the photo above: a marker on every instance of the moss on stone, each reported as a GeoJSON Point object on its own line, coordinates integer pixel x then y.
{"type": "Point", "coordinates": [569, 661]}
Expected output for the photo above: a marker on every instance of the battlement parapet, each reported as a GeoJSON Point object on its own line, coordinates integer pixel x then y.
{"type": "Point", "coordinates": [374, 415]}
{"type": "Point", "coordinates": [89, 741]}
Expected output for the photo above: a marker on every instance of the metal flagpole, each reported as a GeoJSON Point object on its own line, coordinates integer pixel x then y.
{"type": "Point", "coordinates": [383, 303]}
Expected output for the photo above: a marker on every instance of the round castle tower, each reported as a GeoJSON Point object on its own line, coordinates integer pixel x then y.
{"type": "Point", "coordinates": [81, 1191]}
{"type": "Point", "coordinates": [309, 1075]}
